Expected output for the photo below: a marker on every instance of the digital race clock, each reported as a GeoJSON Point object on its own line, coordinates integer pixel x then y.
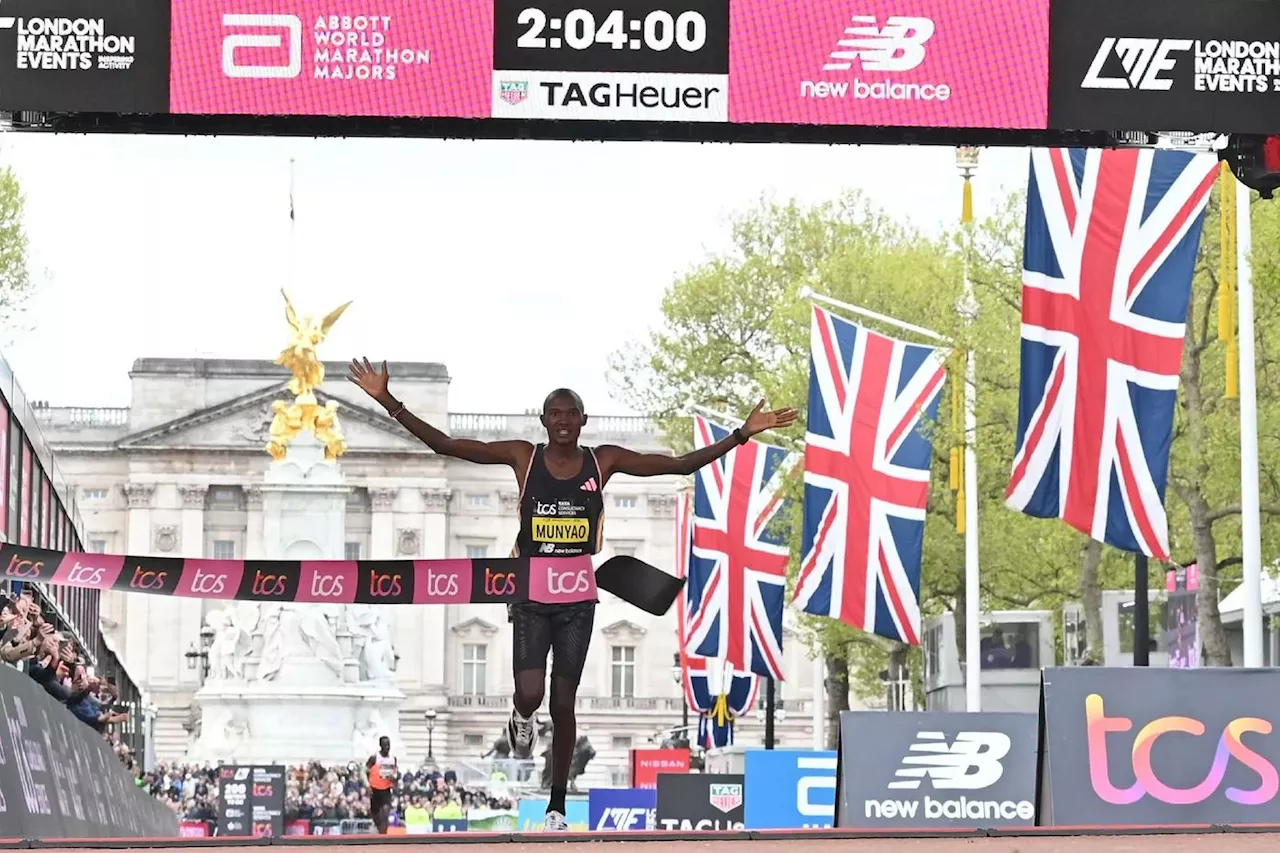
{"type": "Point", "coordinates": [653, 36]}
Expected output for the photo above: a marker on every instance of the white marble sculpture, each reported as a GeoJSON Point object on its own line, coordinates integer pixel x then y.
{"type": "Point", "coordinates": [297, 631]}
{"type": "Point", "coordinates": [369, 728]}
{"type": "Point", "coordinates": [371, 631]}
{"type": "Point", "coordinates": [231, 645]}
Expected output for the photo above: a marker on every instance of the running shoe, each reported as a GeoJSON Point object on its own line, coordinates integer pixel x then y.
{"type": "Point", "coordinates": [521, 734]}
{"type": "Point", "coordinates": [555, 822]}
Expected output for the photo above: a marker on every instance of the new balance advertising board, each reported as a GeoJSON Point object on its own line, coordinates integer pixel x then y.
{"type": "Point", "coordinates": [1165, 65]}
{"type": "Point", "coordinates": [624, 60]}
{"type": "Point", "coordinates": [927, 769]}
{"type": "Point", "coordinates": [790, 789]}
{"type": "Point", "coordinates": [332, 57]}
{"type": "Point", "coordinates": [84, 55]}
{"type": "Point", "coordinates": [60, 779]}
{"type": "Point", "coordinates": [700, 801]}
{"type": "Point", "coordinates": [1160, 746]}
{"type": "Point", "coordinates": [926, 63]}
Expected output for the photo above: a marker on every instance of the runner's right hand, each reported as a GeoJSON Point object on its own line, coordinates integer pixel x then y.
{"type": "Point", "coordinates": [370, 380]}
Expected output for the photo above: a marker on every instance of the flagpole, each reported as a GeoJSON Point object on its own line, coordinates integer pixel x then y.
{"type": "Point", "coordinates": [819, 703]}
{"type": "Point", "coordinates": [967, 160]}
{"type": "Point", "coordinates": [292, 230]}
{"type": "Point", "coordinates": [1250, 501]}
{"type": "Point", "coordinates": [807, 292]}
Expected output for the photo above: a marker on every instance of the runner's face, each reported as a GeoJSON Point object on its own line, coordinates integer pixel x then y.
{"type": "Point", "coordinates": [563, 421]}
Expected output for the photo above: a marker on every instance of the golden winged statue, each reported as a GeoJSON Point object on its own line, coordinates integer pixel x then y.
{"type": "Point", "coordinates": [304, 413]}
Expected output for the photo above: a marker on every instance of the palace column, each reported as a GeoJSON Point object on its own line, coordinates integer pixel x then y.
{"type": "Point", "coordinates": [191, 545]}
{"type": "Point", "coordinates": [382, 545]}
{"type": "Point", "coordinates": [435, 622]}
{"type": "Point", "coordinates": [253, 523]}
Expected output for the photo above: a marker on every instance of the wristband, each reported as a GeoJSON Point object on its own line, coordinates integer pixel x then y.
{"type": "Point", "coordinates": [740, 435]}
{"type": "Point", "coordinates": [397, 411]}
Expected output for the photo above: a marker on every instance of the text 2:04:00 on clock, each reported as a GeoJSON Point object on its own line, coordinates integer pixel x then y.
{"type": "Point", "coordinates": [659, 30]}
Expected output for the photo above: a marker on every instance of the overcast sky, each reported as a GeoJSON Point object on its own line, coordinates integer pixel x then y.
{"type": "Point", "coordinates": [520, 265]}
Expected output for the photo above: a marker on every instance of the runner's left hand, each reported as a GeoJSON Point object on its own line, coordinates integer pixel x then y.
{"type": "Point", "coordinates": [759, 420]}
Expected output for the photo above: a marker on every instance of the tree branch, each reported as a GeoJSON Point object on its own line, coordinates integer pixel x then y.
{"type": "Point", "coordinates": [1235, 509]}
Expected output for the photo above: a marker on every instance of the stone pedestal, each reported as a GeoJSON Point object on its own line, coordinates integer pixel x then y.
{"type": "Point", "coordinates": [262, 722]}
{"type": "Point", "coordinates": [304, 505]}
{"type": "Point", "coordinates": [308, 710]}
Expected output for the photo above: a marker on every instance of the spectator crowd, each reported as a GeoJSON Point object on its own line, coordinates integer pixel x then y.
{"type": "Point", "coordinates": [318, 793]}
{"type": "Point", "coordinates": [27, 639]}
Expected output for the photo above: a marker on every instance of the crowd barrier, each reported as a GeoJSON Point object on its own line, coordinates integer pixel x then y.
{"type": "Point", "coordinates": [60, 779]}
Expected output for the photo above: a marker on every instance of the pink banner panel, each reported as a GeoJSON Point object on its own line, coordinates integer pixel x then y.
{"type": "Point", "coordinates": [906, 63]}
{"type": "Point", "coordinates": [301, 57]}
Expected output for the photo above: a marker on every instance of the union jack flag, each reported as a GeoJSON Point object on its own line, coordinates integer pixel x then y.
{"type": "Point", "coordinates": [866, 476]}
{"type": "Point", "coordinates": [704, 681]}
{"type": "Point", "coordinates": [1110, 251]}
{"type": "Point", "coordinates": [738, 560]}
{"type": "Point", "coordinates": [720, 694]}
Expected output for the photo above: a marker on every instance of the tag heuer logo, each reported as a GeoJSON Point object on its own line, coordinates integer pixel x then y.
{"type": "Point", "coordinates": [726, 798]}
{"type": "Point", "coordinates": [513, 93]}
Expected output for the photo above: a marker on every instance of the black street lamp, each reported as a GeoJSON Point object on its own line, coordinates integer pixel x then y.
{"type": "Point", "coordinates": [202, 654]}
{"type": "Point", "coordinates": [677, 675]}
{"type": "Point", "coordinates": [431, 727]}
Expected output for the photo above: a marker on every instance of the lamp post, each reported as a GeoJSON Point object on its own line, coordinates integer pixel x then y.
{"type": "Point", "coordinates": [200, 657]}
{"type": "Point", "coordinates": [677, 675]}
{"type": "Point", "coordinates": [769, 714]}
{"type": "Point", "coordinates": [431, 728]}
{"type": "Point", "coordinates": [967, 163]}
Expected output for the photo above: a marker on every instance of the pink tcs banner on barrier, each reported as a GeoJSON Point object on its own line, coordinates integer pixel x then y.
{"type": "Point", "coordinates": [382, 58]}
{"type": "Point", "coordinates": [909, 63]}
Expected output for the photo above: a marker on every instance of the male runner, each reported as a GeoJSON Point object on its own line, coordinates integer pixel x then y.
{"type": "Point", "coordinates": [561, 515]}
{"type": "Point", "coordinates": [382, 777]}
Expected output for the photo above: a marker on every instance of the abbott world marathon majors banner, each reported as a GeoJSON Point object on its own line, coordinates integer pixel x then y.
{"type": "Point", "coordinates": [548, 580]}
{"type": "Point", "coordinates": [58, 777]}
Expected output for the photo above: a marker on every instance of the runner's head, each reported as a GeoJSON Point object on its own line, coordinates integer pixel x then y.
{"type": "Point", "coordinates": [384, 745]}
{"type": "Point", "coordinates": [563, 415]}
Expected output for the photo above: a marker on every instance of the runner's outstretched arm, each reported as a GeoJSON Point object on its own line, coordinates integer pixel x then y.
{"type": "Point", "coordinates": [619, 460]}
{"type": "Point", "coordinates": [374, 382]}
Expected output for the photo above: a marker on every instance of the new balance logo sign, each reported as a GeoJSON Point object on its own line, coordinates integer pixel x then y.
{"type": "Point", "coordinates": [1145, 62]}
{"type": "Point", "coordinates": [971, 763]}
{"type": "Point", "coordinates": [898, 46]}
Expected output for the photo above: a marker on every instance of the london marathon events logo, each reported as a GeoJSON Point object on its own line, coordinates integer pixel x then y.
{"type": "Point", "coordinates": [74, 55]}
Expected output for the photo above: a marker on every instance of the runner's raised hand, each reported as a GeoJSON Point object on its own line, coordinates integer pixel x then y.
{"type": "Point", "coordinates": [759, 420]}
{"type": "Point", "coordinates": [370, 380]}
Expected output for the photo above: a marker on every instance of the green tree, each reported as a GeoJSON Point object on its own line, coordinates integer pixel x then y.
{"type": "Point", "coordinates": [15, 278]}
